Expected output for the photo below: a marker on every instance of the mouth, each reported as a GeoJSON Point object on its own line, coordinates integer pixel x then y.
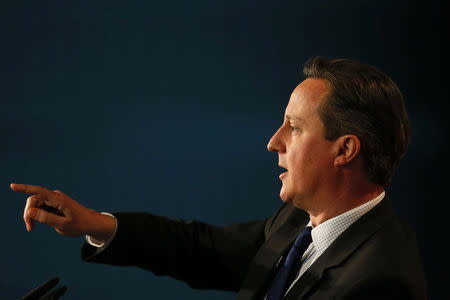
{"type": "Point", "coordinates": [284, 174]}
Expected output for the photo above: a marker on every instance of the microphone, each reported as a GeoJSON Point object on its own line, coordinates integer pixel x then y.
{"type": "Point", "coordinates": [40, 291]}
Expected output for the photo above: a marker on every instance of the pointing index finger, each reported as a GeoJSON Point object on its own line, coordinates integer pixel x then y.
{"type": "Point", "coordinates": [29, 189]}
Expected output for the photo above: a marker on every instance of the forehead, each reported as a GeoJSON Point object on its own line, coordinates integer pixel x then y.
{"type": "Point", "coordinates": [306, 97]}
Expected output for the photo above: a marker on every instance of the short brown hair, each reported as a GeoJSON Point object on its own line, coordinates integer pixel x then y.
{"type": "Point", "coordinates": [365, 102]}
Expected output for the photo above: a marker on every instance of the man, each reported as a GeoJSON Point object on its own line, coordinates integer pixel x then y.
{"type": "Point", "coordinates": [336, 236]}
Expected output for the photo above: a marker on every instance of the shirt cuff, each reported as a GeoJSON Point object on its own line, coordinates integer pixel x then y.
{"type": "Point", "coordinates": [108, 241]}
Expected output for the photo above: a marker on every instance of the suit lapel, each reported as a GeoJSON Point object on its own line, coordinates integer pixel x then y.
{"type": "Point", "coordinates": [270, 255]}
{"type": "Point", "coordinates": [344, 245]}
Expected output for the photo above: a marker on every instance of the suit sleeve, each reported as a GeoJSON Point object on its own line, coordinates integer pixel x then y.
{"type": "Point", "coordinates": [204, 256]}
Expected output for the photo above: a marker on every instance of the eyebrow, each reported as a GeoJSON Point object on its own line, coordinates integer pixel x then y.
{"type": "Point", "coordinates": [289, 117]}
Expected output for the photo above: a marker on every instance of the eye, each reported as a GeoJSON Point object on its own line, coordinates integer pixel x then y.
{"type": "Point", "coordinates": [293, 129]}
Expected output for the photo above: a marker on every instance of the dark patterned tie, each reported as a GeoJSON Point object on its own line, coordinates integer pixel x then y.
{"type": "Point", "coordinates": [286, 275]}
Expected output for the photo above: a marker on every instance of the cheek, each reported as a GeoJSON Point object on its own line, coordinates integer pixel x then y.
{"type": "Point", "coordinates": [300, 151]}
{"type": "Point", "coordinates": [309, 157]}
{"type": "Point", "coordinates": [296, 161]}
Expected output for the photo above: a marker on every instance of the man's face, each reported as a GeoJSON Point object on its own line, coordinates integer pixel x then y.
{"type": "Point", "coordinates": [302, 148]}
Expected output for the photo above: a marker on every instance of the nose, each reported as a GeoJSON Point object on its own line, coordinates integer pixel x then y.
{"type": "Point", "coordinates": [276, 143]}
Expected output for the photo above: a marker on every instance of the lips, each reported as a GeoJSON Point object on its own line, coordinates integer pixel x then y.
{"type": "Point", "coordinates": [284, 174]}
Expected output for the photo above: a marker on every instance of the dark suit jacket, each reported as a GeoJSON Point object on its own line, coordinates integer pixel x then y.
{"type": "Point", "coordinates": [375, 258]}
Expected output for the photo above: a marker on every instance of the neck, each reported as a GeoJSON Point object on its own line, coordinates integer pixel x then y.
{"type": "Point", "coordinates": [343, 201]}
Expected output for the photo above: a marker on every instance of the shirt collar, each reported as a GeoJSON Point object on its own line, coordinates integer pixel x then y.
{"type": "Point", "coordinates": [325, 233]}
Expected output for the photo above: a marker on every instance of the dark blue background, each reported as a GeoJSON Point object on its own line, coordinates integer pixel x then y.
{"type": "Point", "coordinates": [167, 106]}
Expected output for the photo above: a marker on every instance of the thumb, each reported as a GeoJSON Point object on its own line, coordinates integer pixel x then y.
{"type": "Point", "coordinates": [45, 217]}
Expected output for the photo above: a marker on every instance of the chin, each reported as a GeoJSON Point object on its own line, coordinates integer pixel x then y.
{"type": "Point", "coordinates": [295, 201]}
{"type": "Point", "coordinates": [284, 197]}
{"type": "Point", "coordinates": [285, 200]}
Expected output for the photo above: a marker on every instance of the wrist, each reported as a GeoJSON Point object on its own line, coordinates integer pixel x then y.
{"type": "Point", "coordinates": [103, 228]}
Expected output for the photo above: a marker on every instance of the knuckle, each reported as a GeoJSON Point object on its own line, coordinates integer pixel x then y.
{"type": "Point", "coordinates": [32, 198]}
{"type": "Point", "coordinates": [25, 214]}
{"type": "Point", "coordinates": [59, 193]}
{"type": "Point", "coordinates": [40, 216]}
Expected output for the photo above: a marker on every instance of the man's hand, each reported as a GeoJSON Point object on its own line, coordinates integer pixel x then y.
{"type": "Point", "coordinates": [64, 214]}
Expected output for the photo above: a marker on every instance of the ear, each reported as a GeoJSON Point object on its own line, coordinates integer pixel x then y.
{"type": "Point", "coordinates": [348, 147]}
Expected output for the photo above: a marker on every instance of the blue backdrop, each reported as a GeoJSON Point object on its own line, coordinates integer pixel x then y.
{"type": "Point", "coordinates": [167, 107]}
